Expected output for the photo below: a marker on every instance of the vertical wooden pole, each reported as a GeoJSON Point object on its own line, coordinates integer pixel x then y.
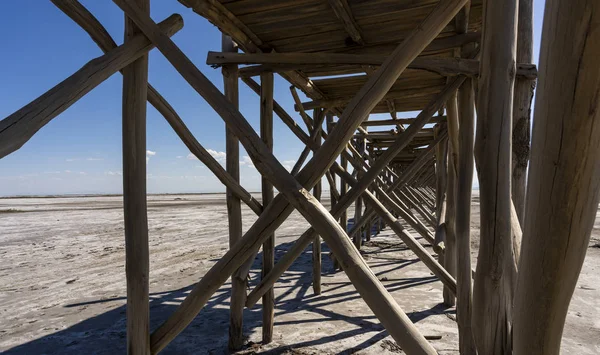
{"type": "Point", "coordinates": [266, 133]}
{"type": "Point", "coordinates": [522, 108]}
{"type": "Point", "coordinates": [496, 267]}
{"type": "Point", "coordinates": [137, 259]}
{"type": "Point", "coordinates": [564, 175]}
{"type": "Point", "coordinates": [234, 208]}
{"type": "Point", "coordinates": [464, 288]}
{"type": "Point", "coordinates": [333, 187]}
{"type": "Point", "coordinates": [450, 241]}
{"type": "Point", "coordinates": [358, 204]}
{"type": "Point", "coordinates": [317, 191]}
{"type": "Point", "coordinates": [344, 214]}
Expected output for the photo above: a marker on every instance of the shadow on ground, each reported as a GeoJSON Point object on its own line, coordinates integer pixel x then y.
{"type": "Point", "coordinates": [207, 334]}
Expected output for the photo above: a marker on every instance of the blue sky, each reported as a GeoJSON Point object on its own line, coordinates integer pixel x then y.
{"type": "Point", "coordinates": [80, 150]}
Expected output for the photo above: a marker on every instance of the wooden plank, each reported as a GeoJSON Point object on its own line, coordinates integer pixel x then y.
{"type": "Point", "coordinates": [560, 211]}
{"type": "Point", "coordinates": [137, 253]}
{"type": "Point", "coordinates": [234, 208]}
{"type": "Point", "coordinates": [496, 268]}
{"type": "Point", "coordinates": [19, 127]}
{"type": "Point", "coordinates": [268, 260]}
{"type": "Point", "coordinates": [344, 14]}
{"type": "Point", "coordinates": [369, 287]}
{"type": "Point", "coordinates": [409, 94]}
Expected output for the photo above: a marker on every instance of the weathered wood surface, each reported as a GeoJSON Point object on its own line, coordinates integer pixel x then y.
{"type": "Point", "coordinates": [367, 284]}
{"type": "Point", "coordinates": [234, 208]}
{"type": "Point", "coordinates": [451, 186]}
{"type": "Point", "coordinates": [268, 256]}
{"type": "Point", "coordinates": [345, 201]}
{"type": "Point", "coordinates": [281, 62]}
{"type": "Point", "coordinates": [464, 188]}
{"type": "Point", "coordinates": [344, 14]}
{"type": "Point", "coordinates": [318, 115]}
{"type": "Point", "coordinates": [523, 97]}
{"type": "Point", "coordinates": [495, 275]}
{"type": "Point", "coordinates": [19, 127]}
{"type": "Point", "coordinates": [137, 252]}
{"type": "Point", "coordinates": [564, 175]}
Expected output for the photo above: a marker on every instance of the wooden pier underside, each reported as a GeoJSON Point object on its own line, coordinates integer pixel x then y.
{"type": "Point", "coordinates": [428, 65]}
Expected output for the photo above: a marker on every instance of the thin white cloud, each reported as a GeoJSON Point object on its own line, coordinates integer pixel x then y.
{"type": "Point", "coordinates": [113, 173]}
{"type": "Point", "coordinates": [72, 159]}
{"type": "Point", "coordinates": [149, 154]}
{"type": "Point", "coordinates": [219, 156]}
{"type": "Point", "coordinates": [246, 161]}
{"type": "Point", "coordinates": [68, 171]}
{"type": "Point", "coordinates": [179, 156]}
{"type": "Point", "coordinates": [94, 159]}
{"type": "Point", "coordinates": [288, 164]}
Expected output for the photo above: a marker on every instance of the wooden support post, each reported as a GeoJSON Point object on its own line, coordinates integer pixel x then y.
{"type": "Point", "coordinates": [441, 171]}
{"type": "Point", "coordinates": [450, 220]}
{"type": "Point", "coordinates": [344, 214]}
{"type": "Point", "coordinates": [522, 109]}
{"type": "Point", "coordinates": [345, 201]}
{"type": "Point", "coordinates": [234, 208]}
{"type": "Point", "coordinates": [137, 254]}
{"type": "Point", "coordinates": [358, 204]}
{"type": "Point", "coordinates": [317, 190]}
{"type": "Point", "coordinates": [266, 133]}
{"type": "Point", "coordinates": [563, 186]}
{"type": "Point", "coordinates": [464, 297]}
{"type": "Point", "coordinates": [496, 267]}
{"type": "Point", "coordinates": [369, 228]}
{"type": "Point", "coordinates": [371, 290]}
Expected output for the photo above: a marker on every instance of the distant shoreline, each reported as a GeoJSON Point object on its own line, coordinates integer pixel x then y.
{"type": "Point", "coordinates": [111, 195]}
{"type": "Point", "coordinates": [120, 195]}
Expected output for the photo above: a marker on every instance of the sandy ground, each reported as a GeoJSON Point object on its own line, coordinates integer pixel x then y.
{"type": "Point", "coordinates": [62, 284]}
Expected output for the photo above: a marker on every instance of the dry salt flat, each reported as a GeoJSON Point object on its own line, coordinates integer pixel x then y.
{"type": "Point", "coordinates": [62, 283]}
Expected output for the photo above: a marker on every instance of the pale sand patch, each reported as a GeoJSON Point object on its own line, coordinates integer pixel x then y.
{"type": "Point", "coordinates": [62, 283]}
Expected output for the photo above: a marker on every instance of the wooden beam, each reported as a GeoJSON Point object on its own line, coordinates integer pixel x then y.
{"type": "Point", "coordinates": [137, 253]}
{"type": "Point", "coordinates": [373, 123]}
{"type": "Point", "coordinates": [234, 208]}
{"type": "Point", "coordinates": [399, 94]}
{"type": "Point", "coordinates": [19, 127]}
{"type": "Point", "coordinates": [367, 284]}
{"type": "Point", "coordinates": [344, 13]}
{"type": "Point", "coordinates": [496, 268]}
{"type": "Point", "coordinates": [281, 62]}
{"type": "Point", "coordinates": [561, 210]}
{"type": "Point", "coordinates": [268, 260]}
